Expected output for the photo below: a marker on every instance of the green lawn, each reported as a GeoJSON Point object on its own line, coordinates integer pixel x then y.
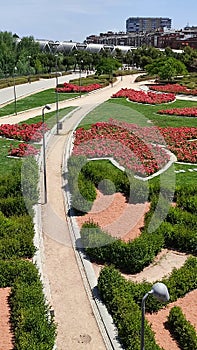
{"type": "Point", "coordinates": [36, 100]}
{"type": "Point", "coordinates": [141, 114]}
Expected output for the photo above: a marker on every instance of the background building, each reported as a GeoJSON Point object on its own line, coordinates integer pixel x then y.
{"type": "Point", "coordinates": [146, 24]}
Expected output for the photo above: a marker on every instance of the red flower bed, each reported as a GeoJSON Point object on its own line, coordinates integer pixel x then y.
{"type": "Point", "coordinates": [144, 97]}
{"type": "Point", "coordinates": [76, 88]}
{"type": "Point", "coordinates": [186, 112]}
{"type": "Point", "coordinates": [175, 88]}
{"type": "Point", "coordinates": [136, 148]}
{"type": "Point", "coordinates": [23, 131]}
{"type": "Point", "coordinates": [114, 140]}
{"type": "Point", "coordinates": [24, 149]}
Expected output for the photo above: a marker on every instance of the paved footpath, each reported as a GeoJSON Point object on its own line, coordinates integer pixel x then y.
{"type": "Point", "coordinates": [69, 296]}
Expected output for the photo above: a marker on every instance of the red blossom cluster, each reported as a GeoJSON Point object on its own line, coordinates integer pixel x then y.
{"type": "Point", "coordinates": [144, 97]}
{"type": "Point", "coordinates": [182, 142]}
{"type": "Point", "coordinates": [134, 147]}
{"type": "Point", "coordinates": [175, 88]}
{"type": "Point", "coordinates": [127, 147]}
{"type": "Point", "coordinates": [23, 132]}
{"type": "Point", "coordinates": [186, 112]}
{"type": "Point", "coordinates": [76, 88]}
{"type": "Point", "coordinates": [24, 149]}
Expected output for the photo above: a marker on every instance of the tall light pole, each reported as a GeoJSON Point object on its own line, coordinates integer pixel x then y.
{"type": "Point", "coordinates": [15, 109]}
{"type": "Point", "coordinates": [81, 62]}
{"type": "Point", "coordinates": [160, 292]}
{"type": "Point", "coordinates": [44, 154]}
{"type": "Point", "coordinates": [57, 97]}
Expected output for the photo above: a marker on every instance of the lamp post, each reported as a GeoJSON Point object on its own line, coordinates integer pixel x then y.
{"type": "Point", "coordinates": [81, 62]}
{"type": "Point", "coordinates": [15, 109]}
{"type": "Point", "coordinates": [160, 292]}
{"type": "Point", "coordinates": [57, 97]}
{"type": "Point", "coordinates": [44, 154]}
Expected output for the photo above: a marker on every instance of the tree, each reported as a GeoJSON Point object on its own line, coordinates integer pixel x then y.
{"type": "Point", "coordinates": [107, 66]}
{"type": "Point", "coordinates": [166, 68]}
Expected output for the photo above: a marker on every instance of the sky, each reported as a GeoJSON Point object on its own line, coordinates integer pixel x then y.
{"type": "Point", "coordinates": [66, 20]}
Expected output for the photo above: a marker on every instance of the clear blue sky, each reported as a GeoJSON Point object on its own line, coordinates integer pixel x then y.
{"type": "Point", "coordinates": [76, 19]}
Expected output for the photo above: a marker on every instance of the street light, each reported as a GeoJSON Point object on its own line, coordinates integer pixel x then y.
{"type": "Point", "coordinates": [160, 292]}
{"type": "Point", "coordinates": [57, 97]}
{"type": "Point", "coordinates": [44, 154]}
{"type": "Point", "coordinates": [81, 62]}
{"type": "Point", "coordinates": [15, 110]}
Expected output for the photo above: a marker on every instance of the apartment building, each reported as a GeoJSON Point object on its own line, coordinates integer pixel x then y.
{"type": "Point", "coordinates": [147, 24]}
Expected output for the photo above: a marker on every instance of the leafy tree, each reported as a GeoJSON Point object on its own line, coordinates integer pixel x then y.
{"type": "Point", "coordinates": [107, 66]}
{"type": "Point", "coordinates": [166, 68]}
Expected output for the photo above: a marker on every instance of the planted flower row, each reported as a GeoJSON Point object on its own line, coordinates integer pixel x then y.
{"type": "Point", "coordinates": [76, 88]}
{"type": "Point", "coordinates": [174, 88]}
{"type": "Point", "coordinates": [136, 148]}
{"type": "Point", "coordinates": [186, 112]}
{"type": "Point", "coordinates": [23, 132]}
{"type": "Point", "coordinates": [23, 149]}
{"type": "Point", "coordinates": [144, 97]}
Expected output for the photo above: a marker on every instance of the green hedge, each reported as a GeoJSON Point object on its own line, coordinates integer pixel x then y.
{"type": "Point", "coordinates": [125, 312]}
{"type": "Point", "coordinates": [32, 326]}
{"type": "Point", "coordinates": [16, 237]}
{"type": "Point", "coordinates": [123, 300]}
{"type": "Point", "coordinates": [182, 330]}
{"type": "Point", "coordinates": [129, 257]}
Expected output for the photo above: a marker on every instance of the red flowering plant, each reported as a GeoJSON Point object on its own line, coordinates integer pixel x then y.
{"type": "Point", "coordinates": [144, 97]}
{"type": "Point", "coordinates": [23, 132]}
{"type": "Point", "coordinates": [76, 88]}
{"type": "Point", "coordinates": [128, 147]}
{"type": "Point", "coordinates": [136, 148]}
{"type": "Point", "coordinates": [185, 112]}
{"type": "Point", "coordinates": [23, 149]}
{"type": "Point", "coordinates": [175, 88]}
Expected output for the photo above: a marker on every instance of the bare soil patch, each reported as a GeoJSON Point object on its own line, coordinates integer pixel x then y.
{"type": "Point", "coordinates": [5, 326]}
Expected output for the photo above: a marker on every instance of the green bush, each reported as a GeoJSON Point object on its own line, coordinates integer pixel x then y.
{"type": "Point", "coordinates": [11, 206]}
{"type": "Point", "coordinates": [129, 257]}
{"type": "Point", "coordinates": [182, 330]}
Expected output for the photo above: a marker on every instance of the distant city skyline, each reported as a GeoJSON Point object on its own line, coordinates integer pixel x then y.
{"type": "Point", "coordinates": [76, 19]}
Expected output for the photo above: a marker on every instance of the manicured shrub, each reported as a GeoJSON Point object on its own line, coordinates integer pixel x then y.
{"type": "Point", "coordinates": [11, 206]}
{"type": "Point", "coordinates": [182, 330]}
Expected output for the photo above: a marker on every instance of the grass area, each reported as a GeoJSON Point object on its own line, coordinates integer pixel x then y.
{"type": "Point", "coordinates": [50, 117]}
{"type": "Point", "coordinates": [6, 164]}
{"type": "Point", "coordinates": [141, 114]}
{"type": "Point", "coordinates": [36, 100]}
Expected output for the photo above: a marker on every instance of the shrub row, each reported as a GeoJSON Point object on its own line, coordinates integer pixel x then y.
{"type": "Point", "coordinates": [182, 330]}
{"type": "Point", "coordinates": [123, 300]}
{"type": "Point", "coordinates": [16, 237]}
{"type": "Point", "coordinates": [33, 328]}
{"type": "Point", "coordinates": [129, 257]}
{"type": "Point", "coordinates": [125, 312]}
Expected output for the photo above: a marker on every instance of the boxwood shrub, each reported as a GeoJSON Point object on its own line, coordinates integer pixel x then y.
{"type": "Point", "coordinates": [182, 330]}
{"type": "Point", "coordinates": [32, 325]}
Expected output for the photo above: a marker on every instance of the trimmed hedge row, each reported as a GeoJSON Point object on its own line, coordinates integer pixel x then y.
{"type": "Point", "coordinates": [182, 330]}
{"type": "Point", "coordinates": [33, 328]}
{"type": "Point", "coordinates": [16, 237]}
{"type": "Point", "coordinates": [123, 300]}
{"type": "Point", "coordinates": [125, 312]}
{"type": "Point", "coordinates": [129, 257]}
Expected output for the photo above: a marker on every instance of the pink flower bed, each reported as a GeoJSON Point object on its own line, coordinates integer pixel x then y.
{"type": "Point", "coordinates": [186, 112]}
{"type": "Point", "coordinates": [175, 88]}
{"type": "Point", "coordinates": [144, 97]}
{"type": "Point", "coordinates": [23, 131]}
{"type": "Point", "coordinates": [76, 88]}
{"type": "Point", "coordinates": [136, 148]}
{"type": "Point", "coordinates": [24, 149]}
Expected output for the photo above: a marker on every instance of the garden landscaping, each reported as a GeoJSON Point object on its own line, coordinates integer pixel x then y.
{"type": "Point", "coordinates": [177, 232]}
